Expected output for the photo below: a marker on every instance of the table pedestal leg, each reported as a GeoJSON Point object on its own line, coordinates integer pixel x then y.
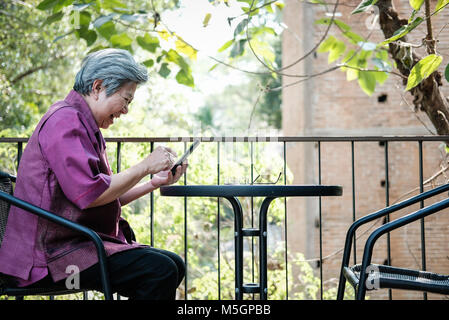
{"type": "Point", "coordinates": [238, 237]}
{"type": "Point", "coordinates": [263, 247]}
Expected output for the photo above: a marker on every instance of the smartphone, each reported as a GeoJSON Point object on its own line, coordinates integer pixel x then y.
{"type": "Point", "coordinates": [185, 155]}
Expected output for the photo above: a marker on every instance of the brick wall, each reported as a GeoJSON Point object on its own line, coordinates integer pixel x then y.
{"type": "Point", "coordinates": [328, 105]}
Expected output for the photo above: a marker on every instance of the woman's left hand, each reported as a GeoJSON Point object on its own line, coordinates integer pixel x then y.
{"type": "Point", "coordinates": [164, 178]}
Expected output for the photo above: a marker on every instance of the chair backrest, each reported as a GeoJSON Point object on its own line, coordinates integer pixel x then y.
{"type": "Point", "coordinates": [5, 186]}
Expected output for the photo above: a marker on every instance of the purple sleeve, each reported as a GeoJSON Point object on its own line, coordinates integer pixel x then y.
{"type": "Point", "coordinates": [71, 155]}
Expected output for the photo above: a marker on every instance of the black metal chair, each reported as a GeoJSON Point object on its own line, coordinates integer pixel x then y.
{"type": "Point", "coordinates": [6, 285]}
{"type": "Point", "coordinates": [367, 276]}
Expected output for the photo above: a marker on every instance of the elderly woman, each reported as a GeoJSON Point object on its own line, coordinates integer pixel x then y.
{"type": "Point", "coordinates": [64, 169]}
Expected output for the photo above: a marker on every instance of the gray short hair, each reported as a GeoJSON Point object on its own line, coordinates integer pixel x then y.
{"type": "Point", "coordinates": [114, 66]}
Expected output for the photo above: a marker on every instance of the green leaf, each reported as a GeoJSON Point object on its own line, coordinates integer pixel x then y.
{"type": "Point", "coordinates": [185, 48]}
{"type": "Point", "coordinates": [164, 71]}
{"type": "Point", "coordinates": [337, 49]}
{"type": "Point", "coordinates": [262, 49]}
{"type": "Point", "coordinates": [47, 4]}
{"type": "Point", "coordinates": [226, 45]}
{"type": "Point", "coordinates": [81, 6]}
{"type": "Point", "coordinates": [343, 26]}
{"type": "Point", "coordinates": [53, 18]}
{"type": "Point", "coordinates": [363, 6]}
{"type": "Point", "coordinates": [263, 30]}
{"type": "Point", "coordinates": [353, 37]}
{"type": "Point", "coordinates": [446, 73]}
{"type": "Point", "coordinates": [240, 27]}
{"type": "Point", "coordinates": [381, 77]}
{"type": "Point", "coordinates": [121, 40]}
{"type": "Point", "coordinates": [206, 20]}
{"type": "Point", "coordinates": [185, 77]}
{"type": "Point", "coordinates": [416, 4]}
{"type": "Point", "coordinates": [238, 48]}
{"type": "Point", "coordinates": [89, 35]}
{"type": "Point", "coordinates": [80, 19]}
{"type": "Point", "coordinates": [107, 30]}
{"type": "Point", "coordinates": [413, 15]}
{"type": "Point", "coordinates": [129, 17]}
{"type": "Point", "coordinates": [213, 67]}
{"type": "Point", "coordinates": [103, 19]}
{"type": "Point", "coordinates": [403, 30]}
{"type": "Point", "coordinates": [367, 81]}
{"type": "Point", "coordinates": [148, 63]}
{"type": "Point", "coordinates": [61, 4]}
{"type": "Point", "coordinates": [148, 42]}
{"type": "Point", "coordinates": [352, 74]}
{"type": "Point", "coordinates": [280, 5]}
{"type": "Point", "coordinates": [113, 4]}
{"type": "Point", "coordinates": [327, 44]}
{"type": "Point", "coordinates": [441, 4]}
{"type": "Point", "coordinates": [174, 57]}
{"type": "Point", "coordinates": [422, 70]}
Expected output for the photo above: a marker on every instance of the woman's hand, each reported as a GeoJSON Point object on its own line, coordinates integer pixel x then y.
{"type": "Point", "coordinates": [161, 159]}
{"type": "Point", "coordinates": [165, 177]}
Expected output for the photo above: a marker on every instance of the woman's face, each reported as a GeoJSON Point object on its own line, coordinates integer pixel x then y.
{"type": "Point", "coordinates": [108, 108]}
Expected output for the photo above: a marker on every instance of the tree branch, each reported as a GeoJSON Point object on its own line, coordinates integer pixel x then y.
{"type": "Point", "coordinates": [429, 38]}
{"type": "Point", "coordinates": [427, 95]}
{"type": "Point", "coordinates": [27, 73]}
{"type": "Point", "coordinates": [33, 70]}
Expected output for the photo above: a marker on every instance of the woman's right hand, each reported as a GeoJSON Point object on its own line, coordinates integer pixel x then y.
{"type": "Point", "coordinates": [162, 158]}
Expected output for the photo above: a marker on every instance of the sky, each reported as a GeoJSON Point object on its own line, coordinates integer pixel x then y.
{"type": "Point", "coordinates": [188, 23]}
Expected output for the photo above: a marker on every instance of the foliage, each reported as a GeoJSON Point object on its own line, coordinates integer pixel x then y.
{"type": "Point", "coordinates": [427, 65]}
{"type": "Point", "coordinates": [26, 90]}
{"type": "Point", "coordinates": [423, 69]}
{"type": "Point", "coordinates": [113, 23]}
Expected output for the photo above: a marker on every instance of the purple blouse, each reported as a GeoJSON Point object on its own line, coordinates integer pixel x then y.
{"type": "Point", "coordinates": [63, 169]}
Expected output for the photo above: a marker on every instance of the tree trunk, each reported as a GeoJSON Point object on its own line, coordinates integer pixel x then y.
{"type": "Point", "coordinates": [427, 95]}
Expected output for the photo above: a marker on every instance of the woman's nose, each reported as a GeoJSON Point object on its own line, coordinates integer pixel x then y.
{"type": "Point", "coordinates": [125, 109]}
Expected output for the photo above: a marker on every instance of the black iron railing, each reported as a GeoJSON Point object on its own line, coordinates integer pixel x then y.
{"type": "Point", "coordinates": [382, 140]}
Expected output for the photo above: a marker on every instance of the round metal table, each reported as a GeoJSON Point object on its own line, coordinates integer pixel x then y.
{"type": "Point", "coordinates": [269, 192]}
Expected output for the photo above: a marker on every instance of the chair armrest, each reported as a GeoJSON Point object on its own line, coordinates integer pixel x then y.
{"type": "Point", "coordinates": [92, 235]}
{"type": "Point", "coordinates": [390, 226]}
{"type": "Point", "coordinates": [7, 176]}
{"type": "Point", "coordinates": [378, 214]}
{"type": "Point", "coordinates": [383, 212]}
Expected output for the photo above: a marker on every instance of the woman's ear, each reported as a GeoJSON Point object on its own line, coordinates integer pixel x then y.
{"type": "Point", "coordinates": [97, 87]}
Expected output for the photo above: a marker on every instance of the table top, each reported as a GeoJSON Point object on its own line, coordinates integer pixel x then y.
{"type": "Point", "coordinates": [243, 190]}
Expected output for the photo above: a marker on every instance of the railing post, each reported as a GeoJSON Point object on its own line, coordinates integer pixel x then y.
{"type": "Point", "coordinates": [353, 195]}
{"type": "Point", "coordinates": [185, 236]}
{"type": "Point", "coordinates": [19, 152]}
{"type": "Point", "coordinates": [218, 224]}
{"type": "Point", "coordinates": [119, 156]}
{"type": "Point", "coordinates": [421, 190]}
{"type": "Point", "coordinates": [285, 221]}
{"type": "Point", "coordinates": [387, 203]}
{"type": "Point", "coordinates": [151, 205]}
{"type": "Point", "coordinates": [320, 222]}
